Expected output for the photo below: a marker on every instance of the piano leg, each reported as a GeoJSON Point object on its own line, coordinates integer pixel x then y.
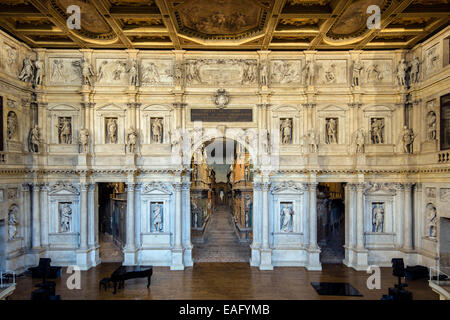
{"type": "Point", "coordinates": [115, 287]}
{"type": "Point", "coordinates": [149, 279]}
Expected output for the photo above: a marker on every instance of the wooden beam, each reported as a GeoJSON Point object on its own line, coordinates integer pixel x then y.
{"type": "Point", "coordinates": [169, 21]}
{"type": "Point", "coordinates": [272, 22]}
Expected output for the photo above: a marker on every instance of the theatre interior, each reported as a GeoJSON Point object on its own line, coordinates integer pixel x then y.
{"type": "Point", "coordinates": [222, 147]}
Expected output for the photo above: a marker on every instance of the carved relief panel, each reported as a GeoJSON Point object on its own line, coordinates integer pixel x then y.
{"type": "Point", "coordinates": [285, 72]}
{"type": "Point", "coordinates": [156, 72]}
{"type": "Point", "coordinates": [112, 71]}
{"type": "Point", "coordinates": [331, 72]}
{"type": "Point", "coordinates": [64, 71]}
{"type": "Point", "coordinates": [10, 60]}
{"type": "Point", "coordinates": [377, 71]}
{"type": "Point", "coordinates": [432, 59]}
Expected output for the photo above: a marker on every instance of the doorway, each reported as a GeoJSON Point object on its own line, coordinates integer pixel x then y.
{"type": "Point", "coordinates": [112, 201]}
{"type": "Point", "coordinates": [221, 202]}
{"type": "Point", "coordinates": [331, 222]}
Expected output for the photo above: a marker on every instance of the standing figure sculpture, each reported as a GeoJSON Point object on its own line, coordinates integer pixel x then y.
{"type": "Point", "coordinates": [11, 125]}
{"type": "Point", "coordinates": [157, 131]}
{"type": "Point", "coordinates": [66, 217]}
{"type": "Point", "coordinates": [65, 132]}
{"type": "Point", "coordinates": [86, 72]}
{"type": "Point", "coordinates": [431, 223]}
{"type": "Point", "coordinates": [286, 218]}
{"type": "Point", "coordinates": [312, 142]}
{"type": "Point", "coordinates": [34, 139]}
{"type": "Point", "coordinates": [157, 217]}
{"type": "Point", "coordinates": [263, 73]}
{"type": "Point", "coordinates": [377, 218]}
{"type": "Point", "coordinates": [377, 131]}
{"type": "Point", "coordinates": [83, 140]}
{"type": "Point", "coordinates": [431, 121]}
{"type": "Point", "coordinates": [133, 73]}
{"type": "Point", "coordinates": [39, 72]}
{"type": "Point", "coordinates": [12, 223]}
{"type": "Point", "coordinates": [356, 73]}
{"type": "Point", "coordinates": [309, 70]}
{"type": "Point", "coordinates": [331, 127]}
{"type": "Point", "coordinates": [27, 72]}
{"type": "Point", "coordinates": [132, 138]}
{"type": "Point", "coordinates": [112, 130]}
{"type": "Point", "coordinates": [407, 139]}
{"type": "Point", "coordinates": [415, 70]}
{"type": "Point", "coordinates": [360, 138]}
{"type": "Point", "coordinates": [286, 131]}
{"type": "Point", "coordinates": [402, 70]}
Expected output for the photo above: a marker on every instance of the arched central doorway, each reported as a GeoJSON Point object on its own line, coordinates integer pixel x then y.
{"type": "Point", "coordinates": [221, 202]}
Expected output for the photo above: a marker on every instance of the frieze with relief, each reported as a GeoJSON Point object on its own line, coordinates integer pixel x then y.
{"type": "Point", "coordinates": [156, 72]}
{"type": "Point", "coordinates": [377, 71]}
{"type": "Point", "coordinates": [63, 71]}
{"type": "Point", "coordinates": [112, 71]}
{"type": "Point", "coordinates": [332, 72]}
{"type": "Point", "coordinates": [432, 60]}
{"type": "Point", "coordinates": [10, 60]}
{"type": "Point", "coordinates": [221, 72]}
{"type": "Point", "coordinates": [285, 72]}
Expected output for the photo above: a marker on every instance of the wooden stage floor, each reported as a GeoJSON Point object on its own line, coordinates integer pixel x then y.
{"type": "Point", "coordinates": [210, 281]}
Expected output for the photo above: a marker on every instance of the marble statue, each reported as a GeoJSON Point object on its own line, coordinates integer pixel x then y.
{"type": "Point", "coordinates": [286, 131]}
{"type": "Point", "coordinates": [66, 217]}
{"type": "Point", "coordinates": [415, 70]}
{"type": "Point", "coordinates": [407, 139]}
{"type": "Point", "coordinates": [85, 70]}
{"type": "Point", "coordinates": [356, 73]}
{"type": "Point", "coordinates": [221, 195]}
{"type": "Point", "coordinates": [34, 139]}
{"type": "Point", "coordinates": [247, 173]}
{"type": "Point", "coordinates": [378, 218]}
{"type": "Point", "coordinates": [263, 73]}
{"type": "Point", "coordinates": [431, 221]}
{"type": "Point", "coordinates": [402, 70]}
{"type": "Point", "coordinates": [11, 125]}
{"type": "Point", "coordinates": [157, 217]}
{"type": "Point", "coordinates": [111, 129]}
{"type": "Point", "coordinates": [132, 138]}
{"type": "Point", "coordinates": [194, 172]}
{"type": "Point", "coordinates": [65, 131]}
{"type": "Point", "coordinates": [331, 128]}
{"type": "Point", "coordinates": [39, 72]}
{"type": "Point", "coordinates": [133, 73]}
{"type": "Point", "coordinates": [83, 140]}
{"type": "Point", "coordinates": [286, 218]}
{"type": "Point", "coordinates": [312, 142]}
{"type": "Point", "coordinates": [431, 125]}
{"type": "Point", "coordinates": [232, 173]}
{"type": "Point", "coordinates": [377, 127]}
{"type": "Point", "coordinates": [157, 130]}
{"type": "Point", "coordinates": [27, 72]}
{"type": "Point", "coordinates": [178, 72]}
{"type": "Point", "coordinates": [359, 139]}
{"type": "Point", "coordinates": [309, 71]}
{"type": "Point", "coordinates": [12, 223]}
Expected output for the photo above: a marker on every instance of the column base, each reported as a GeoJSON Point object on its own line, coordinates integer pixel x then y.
{"type": "Point", "coordinates": [129, 257]}
{"type": "Point", "coordinates": [187, 258]}
{"type": "Point", "coordinates": [266, 259]}
{"type": "Point", "coordinates": [84, 259]}
{"type": "Point", "coordinates": [314, 259]}
{"type": "Point", "coordinates": [357, 259]}
{"type": "Point", "coordinates": [95, 256]}
{"type": "Point", "coordinates": [255, 259]}
{"type": "Point", "coordinates": [177, 260]}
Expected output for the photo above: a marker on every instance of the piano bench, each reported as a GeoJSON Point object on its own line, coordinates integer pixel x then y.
{"type": "Point", "coordinates": [104, 283]}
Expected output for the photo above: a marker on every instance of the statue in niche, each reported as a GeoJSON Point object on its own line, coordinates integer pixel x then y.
{"type": "Point", "coordinates": [331, 129]}
{"type": "Point", "coordinates": [415, 70]}
{"type": "Point", "coordinates": [132, 138]}
{"type": "Point", "coordinates": [431, 221]}
{"type": "Point", "coordinates": [65, 130]}
{"type": "Point", "coordinates": [402, 70]}
{"type": "Point", "coordinates": [356, 73]}
{"type": "Point", "coordinates": [377, 127]}
{"type": "Point", "coordinates": [85, 70]}
{"type": "Point", "coordinates": [247, 173]}
{"type": "Point", "coordinates": [157, 130]}
{"type": "Point", "coordinates": [194, 172]}
{"type": "Point", "coordinates": [431, 125]}
{"type": "Point", "coordinates": [232, 173]}
{"type": "Point", "coordinates": [263, 73]}
{"type": "Point", "coordinates": [111, 130]}
{"type": "Point", "coordinates": [378, 217]}
{"type": "Point", "coordinates": [221, 195]}
{"type": "Point", "coordinates": [11, 125]}
{"type": "Point", "coordinates": [330, 75]}
{"type": "Point", "coordinates": [66, 217]}
{"type": "Point", "coordinates": [407, 139]}
{"type": "Point", "coordinates": [309, 71]}
{"type": "Point", "coordinates": [12, 223]}
{"type": "Point", "coordinates": [34, 139]}
{"type": "Point", "coordinates": [27, 72]}
{"type": "Point", "coordinates": [286, 216]}
{"type": "Point", "coordinates": [39, 72]}
{"type": "Point", "coordinates": [83, 140]}
{"type": "Point", "coordinates": [157, 217]}
{"type": "Point", "coordinates": [286, 131]}
{"type": "Point", "coordinates": [359, 139]}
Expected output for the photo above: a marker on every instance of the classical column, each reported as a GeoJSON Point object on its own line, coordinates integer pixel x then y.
{"type": "Point", "coordinates": [131, 239]}
{"type": "Point", "coordinates": [26, 215]}
{"type": "Point", "coordinates": [84, 216]}
{"type": "Point", "coordinates": [265, 215]}
{"type": "Point", "coordinates": [178, 217]}
{"type": "Point", "coordinates": [400, 213]}
{"type": "Point", "coordinates": [313, 215]}
{"type": "Point", "coordinates": [186, 214]}
{"type": "Point", "coordinates": [408, 242]}
{"type": "Point", "coordinates": [45, 215]}
{"type": "Point", "coordinates": [359, 216]}
{"type": "Point", "coordinates": [36, 233]}
{"type": "Point", "coordinates": [92, 219]}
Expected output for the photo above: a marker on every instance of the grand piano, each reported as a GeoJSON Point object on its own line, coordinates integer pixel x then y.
{"type": "Point", "coordinates": [123, 273]}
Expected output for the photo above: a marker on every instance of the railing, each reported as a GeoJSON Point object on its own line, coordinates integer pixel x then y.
{"type": "Point", "coordinates": [440, 276]}
{"type": "Point", "coordinates": [443, 157]}
{"type": "Point", "coordinates": [7, 279]}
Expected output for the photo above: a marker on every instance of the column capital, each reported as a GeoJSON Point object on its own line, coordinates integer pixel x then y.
{"type": "Point", "coordinates": [25, 187]}
{"type": "Point", "coordinates": [312, 186]}
{"type": "Point", "coordinates": [134, 104]}
{"type": "Point", "coordinates": [186, 186]}
{"type": "Point", "coordinates": [399, 186]}
{"type": "Point", "coordinates": [309, 105]}
{"type": "Point", "coordinates": [265, 186]}
{"type": "Point", "coordinates": [84, 186]}
{"type": "Point", "coordinates": [131, 186]}
{"type": "Point", "coordinates": [257, 186]}
{"type": "Point", "coordinates": [177, 186]}
{"type": "Point", "coordinates": [408, 186]}
{"type": "Point", "coordinates": [45, 187]}
{"type": "Point", "coordinates": [360, 186]}
{"type": "Point", "coordinates": [88, 104]}
{"type": "Point", "coordinates": [36, 187]}
{"type": "Point", "coordinates": [355, 105]}
{"type": "Point", "coordinates": [263, 105]}
{"type": "Point", "coordinates": [179, 105]}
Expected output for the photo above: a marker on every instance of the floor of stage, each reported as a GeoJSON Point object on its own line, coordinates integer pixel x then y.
{"type": "Point", "coordinates": [224, 281]}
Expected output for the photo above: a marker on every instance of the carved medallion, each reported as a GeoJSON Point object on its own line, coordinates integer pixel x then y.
{"type": "Point", "coordinates": [221, 98]}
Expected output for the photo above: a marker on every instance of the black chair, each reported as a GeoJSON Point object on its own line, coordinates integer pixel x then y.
{"type": "Point", "coordinates": [398, 267]}
{"type": "Point", "coordinates": [49, 286]}
{"type": "Point", "coordinates": [44, 270]}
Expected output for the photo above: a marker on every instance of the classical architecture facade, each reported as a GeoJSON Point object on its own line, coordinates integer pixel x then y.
{"type": "Point", "coordinates": [372, 120]}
